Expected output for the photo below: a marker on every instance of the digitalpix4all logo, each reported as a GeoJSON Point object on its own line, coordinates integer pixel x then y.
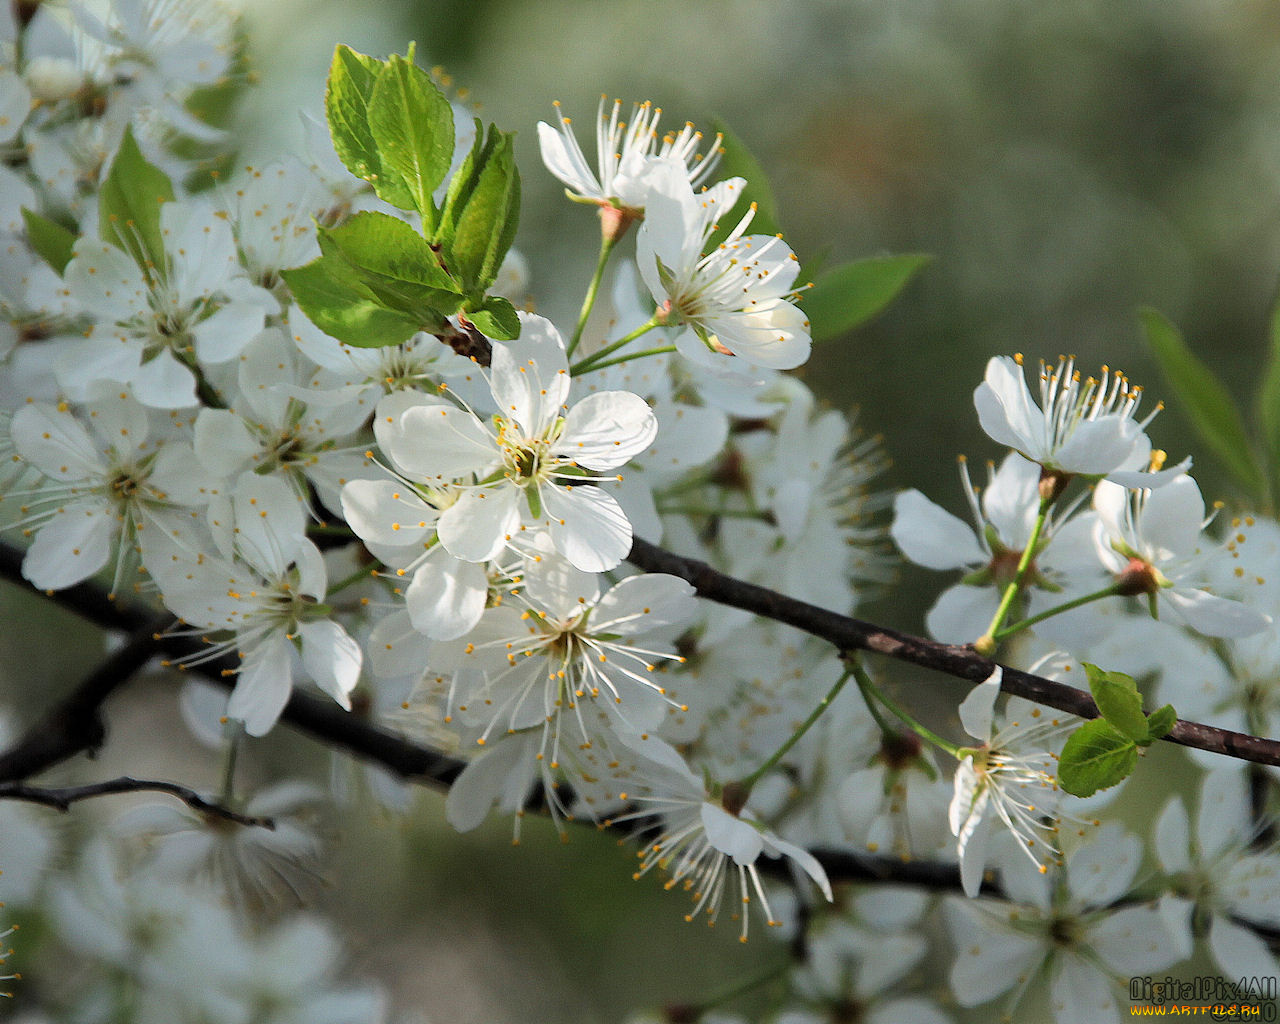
{"type": "Point", "coordinates": [1245, 998]}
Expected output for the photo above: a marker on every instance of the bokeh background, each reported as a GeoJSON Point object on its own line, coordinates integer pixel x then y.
{"type": "Point", "coordinates": [1064, 163]}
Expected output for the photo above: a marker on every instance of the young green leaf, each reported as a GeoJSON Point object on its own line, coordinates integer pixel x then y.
{"type": "Point", "coordinates": [394, 264]}
{"type": "Point", "coordinates": [496, 319]}
{"type": "Point", "coordinates": [482, 211]}
{"type": "Point", "coordinates": [1096, 756]}
{"type": "Point", "coordinates": [412, 127]}
{"type": "Point", "coordinates": [328, 291]}
{"type": "Point", "coordinates": [129, 204]}
{"type": "Point", "coordinates": [51, 241]}
{"type": "Point", "coordinates": [849, 295]}
{"type": "Point", "coordinates": [1119, 701]}
{"type": "Point", "coordinates": [1160, 721]}
{"type": "Point", "coordinates": [352, 77]}
{"type": "Point", "coordinates": [1206, 402]}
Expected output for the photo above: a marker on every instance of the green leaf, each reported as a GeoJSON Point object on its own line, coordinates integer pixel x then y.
{"type": "Point", "coordinates": [129, 204]}
{"type": "Point", "coordinates": [51, 241]}
{"type": "Point", "coordinates": [1096, 756]}
{"type": "Point", "coordinates": [496, 319]}
{"type": "Point", "coordinates": [1204, 400]}
{"type": "Point", "coordinates": [1119, 701]}
{"type": "Point", "coordinates": [736, 161]}
{"type": "Point", "coordinates": [395, 264]}
{"type": "Point", "coordinates": [352, 77]}
{"type": "Point", "coordinates": [482, 210]}
{"type": "Point", "coordinates": [412, 127]}
{"type": "Point", "coordinates": [1160, 721]}
{"type": "Point", "coordinates": [849, 295]}
{"type": "Point", "coordinates": [329, 293]}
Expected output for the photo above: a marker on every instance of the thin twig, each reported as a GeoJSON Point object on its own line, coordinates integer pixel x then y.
{"type": "Point", "coordinates": [63, 798]}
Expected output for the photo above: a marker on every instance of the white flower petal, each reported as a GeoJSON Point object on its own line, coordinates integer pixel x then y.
{"type": "Point", "coordinates": [478, 525]}
{"type": "Point", "coordinates": [929, 535]}
{"type": "Point", "coordinates": [439, 442]}
{"type": "Point", "coordinates": [587, 526]}
{"type": "Point", "coordinates": [446, 596]}
{"type": "Point", "coordinates": [263, 685]}
{"type": "Point", "coordinates": [606, 429]}
{"type": "Point", "coordinates": [1240, 952]}
{"type": "Point", "coordinates": [387, 512]}
{"type": "Point", "coordinates": [645, 602]}
{"type": "Point", "coordinates": [731, 836]}
{"type": "Point", "coordinates": [69, 548]}
{"type": "Point", "coordinates": [332, 658]}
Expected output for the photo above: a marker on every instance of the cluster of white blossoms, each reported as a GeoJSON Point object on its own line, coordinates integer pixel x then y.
{"type": "Point", "coordinates": [431, 531]}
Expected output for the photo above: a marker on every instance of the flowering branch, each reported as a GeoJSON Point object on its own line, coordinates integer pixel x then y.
{"type": "Point", "coordinates": [961, 661]}
{"type": "Point", "coordinates": [63, 798]}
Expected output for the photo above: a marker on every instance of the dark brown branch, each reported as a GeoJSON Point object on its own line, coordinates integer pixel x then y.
{"type": "Point", "coordinates": [848, 634]}
{"type": "Point", "coordinates": [63, 798]}
{"type": "Point", "coordinates": [325, 721]}
{"type": "Point", "coordinates": [75, 723]}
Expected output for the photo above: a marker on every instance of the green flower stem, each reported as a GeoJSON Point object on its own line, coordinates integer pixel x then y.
{"type": "Point", "coordinates": [588, 303]}
{"type": "Point", "coordinates": [361, 574]}
{"type": "Point", "coordinates": [205, 391]}
{"type": "Point", "coordinates": [589, 363]}
{"type": "Point", "coordinates": [749, 781]}
{"type": "Point", "coordinates": [872, 692]}
{"type": "Point", "coordinates": [1066, 606]}
{"type": "Point", "coordinates": [227, 794]}
{"type": "Point", "coordinates": [867, 689]}
{"type": "Point", "coordinates": [662, 350]}
{"type": "Point", "coordinates": [1015, 586]}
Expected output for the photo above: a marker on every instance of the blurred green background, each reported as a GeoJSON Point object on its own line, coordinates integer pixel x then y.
{"type": "Point", "coordinates": [1065, 163]}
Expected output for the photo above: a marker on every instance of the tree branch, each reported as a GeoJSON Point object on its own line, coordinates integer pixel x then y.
{"type": "Point", "coordinates": [849, 634]}
{"type": "Point", "coordinates": [63, 798]}
{"type": "Point", "coordinates": [325, 721]}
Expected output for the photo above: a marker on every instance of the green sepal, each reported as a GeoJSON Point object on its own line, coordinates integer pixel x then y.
{"type": "Point", "coordinates": [1205, 401]}
{"type": "Point", "coordinates": [52, 242]}
{"type": "Point", "coordinates": [1160, 721]}
{"type": "Point", "coordinates": [129, 205]}
{"type": "Point", "coordinates": [496, 319]}
{"type": "Point", "coordinates": [1096, 756]}
{"type": "Point", "coordinates": [534, 499]}
{"type": "Point", "coordinates": [348, 92]}
{"type": "Point", "coordinates": [412, 127]}
{"type": "Point", "coordinates": [1119, 701]}
{"type": "Point", "coordinates": [331, 295]}
{"type": "Point", "coordinates": [481, 210]}
{"type": "Point", "coordinates": [849, 295]}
